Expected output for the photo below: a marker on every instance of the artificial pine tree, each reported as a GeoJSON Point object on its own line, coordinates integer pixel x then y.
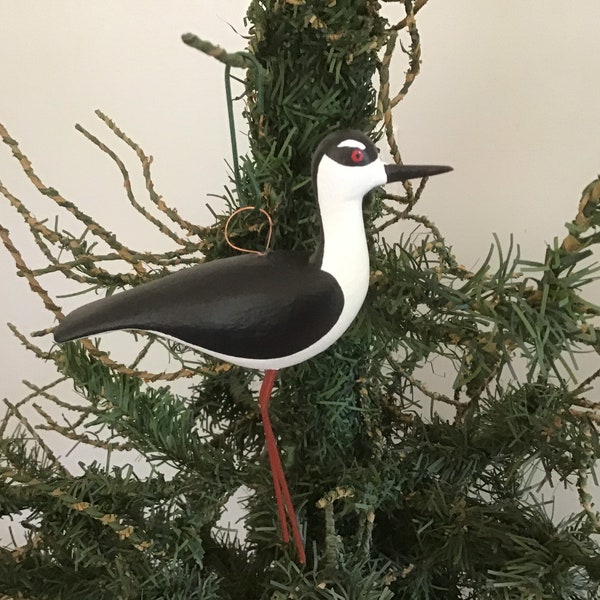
{"type": "Point", "coordinates": [396, 501]}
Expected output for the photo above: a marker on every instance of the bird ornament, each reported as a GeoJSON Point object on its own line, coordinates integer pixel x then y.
{"type": "Point", "coordinates": [270, 310]}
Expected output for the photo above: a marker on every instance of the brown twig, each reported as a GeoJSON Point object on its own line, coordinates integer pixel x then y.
{"type": "Point", "coordinates": [146, 376]}
{"type": "Point", "coordinates": [414, 54]}
{"type": "Point", "coordinates": [146, 161]}
{"type": "Point", "coordinates": [36, 436]}
{"type": "Point", "coordinates": [419, 4]}
{"type": "Point", "coordinates": [37, 228]}
{"type": "Point", "coordinates": [384, 98]}
{"type": "Point", "coordinates": [386, 103]}
{"type": "Point", "coordinates": [71, 434]}
{"type": "Point", "coordinates": [586, 382]}
{"type": "Point", "coordinates": [38, 390]}
{"type": "Point", "coordinates": [57, 312]}
{"type": "Point", "coordinates": [26, 272]}
{"type": "Point", "coordinates": [51, 356]}
{"type": "Point", "coordinates": [128, 187]}
{"type": "Point", "coordinates": [127, 254]}
{"type": "Point", "coordinates": [42, 392]}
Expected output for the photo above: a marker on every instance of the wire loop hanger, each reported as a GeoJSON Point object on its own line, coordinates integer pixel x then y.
{"type": "Point", "coordinates": [240, 210]}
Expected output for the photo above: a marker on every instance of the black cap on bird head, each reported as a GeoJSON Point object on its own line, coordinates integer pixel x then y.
{"type": "Point", "coordinates": [352, 148]}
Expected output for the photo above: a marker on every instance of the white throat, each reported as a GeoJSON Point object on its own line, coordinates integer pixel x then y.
{"type": "Point", "coordinates": [345, 252]}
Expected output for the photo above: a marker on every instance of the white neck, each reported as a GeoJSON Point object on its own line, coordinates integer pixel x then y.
{"type": "Point", "coordinates": [345, 253]}
{"type": "Point", "coordinates": [345, 243]}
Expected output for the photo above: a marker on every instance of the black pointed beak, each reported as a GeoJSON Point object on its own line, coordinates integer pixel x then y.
{"type": "Point", "coordinates": [404, 172]}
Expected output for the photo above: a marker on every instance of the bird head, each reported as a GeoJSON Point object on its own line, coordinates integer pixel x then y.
{"type": "Point", "coordinates": [347, 164]}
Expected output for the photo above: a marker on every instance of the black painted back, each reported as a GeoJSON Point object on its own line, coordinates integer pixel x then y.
{"type": "Point", "coordinates": [251, 306]}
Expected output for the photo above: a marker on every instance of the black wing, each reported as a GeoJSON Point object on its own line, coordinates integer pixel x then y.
{"type": "Point", "coordinates": [251, 306]}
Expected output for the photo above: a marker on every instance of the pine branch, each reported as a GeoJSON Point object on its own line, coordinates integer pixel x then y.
{"type": "Point", "coordinates": [394, 502]}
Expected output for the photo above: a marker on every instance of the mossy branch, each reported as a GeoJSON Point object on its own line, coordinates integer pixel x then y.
{"type": "Point", "coordinates": [353, 420]}
{"type": "Point", "coordinates": [85, 265]}
{"type": "Point", "coordinates": [235, 59]}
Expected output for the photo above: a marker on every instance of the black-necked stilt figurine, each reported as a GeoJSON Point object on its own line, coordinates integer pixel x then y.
{"type": "Point", "coordinates": [273, 310]}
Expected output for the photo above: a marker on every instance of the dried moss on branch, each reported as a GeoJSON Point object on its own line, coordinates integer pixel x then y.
{"type": "Point", "coordinates": [396, 500]}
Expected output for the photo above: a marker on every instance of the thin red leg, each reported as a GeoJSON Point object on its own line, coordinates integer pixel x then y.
{"type": "Point", "coordinates": [282, 494]}
{"type": "Point", "coordinates": [264, 397]}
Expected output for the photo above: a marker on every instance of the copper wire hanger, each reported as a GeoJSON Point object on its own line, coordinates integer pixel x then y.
{"type": "Point", "coordinates": [242, 209]}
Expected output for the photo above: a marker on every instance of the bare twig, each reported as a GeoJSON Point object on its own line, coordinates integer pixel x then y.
{"type": "Point", "coordinates": [146, 161]}
{"type": "Point", "coordinates": [37, 228]}
{"type": "Point", "coordinates": [51, 356]}
{"type": "Point", "coordinates": [36, 436]}
{"type": "Point", "coordinates": [128, 188]}
{"type": "Point", "coordinates": [26, 272]}
{"type": "Point", "coordinates": [71, 434]}
{"type": "Point", "coordinates": [127, 254]}
{"type": "Point", "coordinates": [38, 390]}
{"type": "Point", "coordinates": [419, 4]}
{"type": "Point", "coordinates": [582, 413]}
{"type": "Point", "coordinates": [43, 393]}
{"type": "Point", "coordinates": [385, 102]}
{"type": "Point", "coordinates": [414, 54]}
{"type": "Point", "coordinates": [235, 59]}
{"type": "Point", "coordinates": [586, 382]}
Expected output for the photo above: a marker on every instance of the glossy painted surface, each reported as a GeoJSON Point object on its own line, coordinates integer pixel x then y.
{"type": "Point", "coordinates": [273, 310]}
{"type": "Point", "coordinates": [251, 308]}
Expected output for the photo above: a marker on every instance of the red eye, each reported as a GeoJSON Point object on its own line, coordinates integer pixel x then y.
{"type": "Point", "coordinates": [357, 155]}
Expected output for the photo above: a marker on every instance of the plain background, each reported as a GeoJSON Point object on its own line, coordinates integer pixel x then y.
{"type": "Point", "coordinates": [508, 95]}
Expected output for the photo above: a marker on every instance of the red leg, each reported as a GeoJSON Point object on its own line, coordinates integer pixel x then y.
{"type": "Point", "coordinates": [264, 397]}
{"type": "Point", "coordinates": [282, 494]}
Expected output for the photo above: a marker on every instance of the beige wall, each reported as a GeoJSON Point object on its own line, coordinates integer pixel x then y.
{"type": "Point", "coordinates": [508, 95]}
